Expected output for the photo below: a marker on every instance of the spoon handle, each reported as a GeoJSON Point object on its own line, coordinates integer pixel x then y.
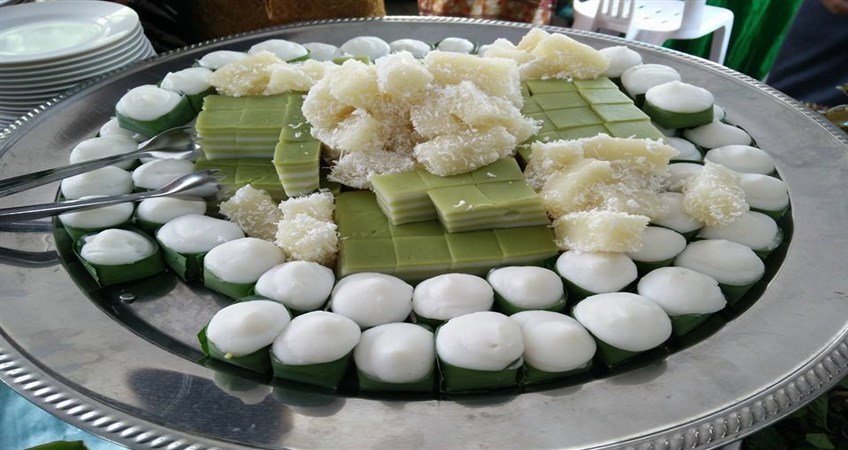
{"type": "Point", "coordinates": [31, 212]}
{"type": "Point", "coordinates": [20, 183]}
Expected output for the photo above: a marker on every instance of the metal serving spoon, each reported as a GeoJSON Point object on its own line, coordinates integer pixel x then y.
{"type": "Point", "coordinates": [175, 143]}
{"type": "Point", "coordinates": [197, 184]}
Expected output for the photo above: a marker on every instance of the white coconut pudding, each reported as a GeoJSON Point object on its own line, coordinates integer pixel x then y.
{"type": "Point", "coordinates": [246, 327]}
{"type": "Point", "coordinates": [115, 247]}
{"type": "Point", "coordinates": [483, 340]}
{"type": "Point", "coordinates": [316, 337]}
{"type": "Point", "coordinates": [396, 353]}
{"type": "Point", "coordinates": [554, 342]}
{"type": "Point", "coordinates": [163, 209]}
{"type": "Point", "coordinates": [102, 147]}
{"type": "Point", "coordinates": [300, 285]}
{"type": "Point", "coordinates": [419, 49]}
{"type": "Point", "coordinates": [625, 321]}
{"type": "Point", "coordinates": [764, 192]}
{"type": "Point", "coordinates": [742, 158]}
{"type": "Point", "coordinates": [320, 51]}
{"type": "Point", "coordinates": [679, 174]}
{"type": "Point", "coordinates": [242, 260]}
{"type": "Point", "coordinates": [621, 58]}
{"type": "Point", "coordinates": [527, 287]}
{"type": "Point", "coordinates": [281, 48]}
{"type": "Point", "coordinates": [195, 233]}
{"type": "Point", "coordinates": [717, 134]}
{"type": "Point", "coordinates": [370, 46]}
{"type": "Point", "coordinates": [753, 229]}
{"type": "Point", "coordinates": [658, 244]}
{"type": "Point", "coordinates": [112, 129]}
{"type": "Point", "coordinates": [681, 291]}
{"type": "Point", "coordinates": [159, 172]}
{"type": "Point", "coordinates": [371, 299]}
{"type": "Point", "coordinates": [104, 181]}
{"type": "Point", "coordinates": [638, 79]}
{"type": "Point", "coordinates": [455, 45]}
{"type": "Point", "coordinates": [596, 272]}
{"type": "Point", "coordinates": [677, 219]}
{"type": "Point", "coordinates": [688, 151]}
{"type": "Point", "coordinates": [191, 81]}
{"type": "Point", "coordinates": [98, 218]}
{"type": "Point", "coordinates": [450, 295]}
{"type": "Point", "coordinates": [728, 262]}
{"type": "Point", "coordinates": [216, 59]}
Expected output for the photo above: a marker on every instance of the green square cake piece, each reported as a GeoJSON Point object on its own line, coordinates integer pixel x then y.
{"type": "Point", "coordinates": [435, 181]}
{"type": "Point", "coordinates": [526, 245]}
{"type": "Point", "coordinates": [573, 117]}
{"type": "Point", "coordinates": [559, 100]}
{"type": "Point", "coordinates": [366, 255]}
{"type": "Point", "coordinates": [458, 202]}
{"type": "Point", "coordinates": [510, 192]}
{"type": "Point", "coordinates": [597, 83]}
{"type": "Point", "coordinates": [261, 120]}
{"type": "Point", "coordinates": [541, 117]}
{"type": "Point", "coordinates": [204, 163]}
{"type": "Point", "coordinates": [261, 177]}
{"type": "Point", "coordinates": [266, 102]}
{"type": "Point", "coordinates": [474, 252]}
{"type": "Point", "coordinates": [299, 131]}
{"type": "Point", "coordinates": [399, 187]}
{"type": "Point", "coordinates": [216, 102]}
{"type": "Point", "coordinates": [619, 113]}
{"type": "Point", "coordinates": [426, 228]}
{"type": "Point", "coordinates": [525, 92]}
{"type": "Point", "coordinates": [636, 129]}
{"type": "Point", "coordinates": [530, 106]}
{"type": "Point", "coordinates": [295, 153]}
{"type": "Point", "coordinates": [226, 173]}
{"type": "Point", "coordinates": [605, 96]}
{"type": "Point", "coordinates": [359, 217]}
{"type": "Point", "coordinates": [505, 169]}
{"type": "Point", "coordinates": [581, 132]}
{"type": "Point", "coordinates": [421, 257]}
{"type": "Point", "coordinates": [217, 120]}
{"type": "Point", "coordinates": [545, 86]}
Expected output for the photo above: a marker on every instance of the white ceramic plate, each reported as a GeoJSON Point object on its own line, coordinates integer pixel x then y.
{"type": "Point", "coordinates": [43, 31]}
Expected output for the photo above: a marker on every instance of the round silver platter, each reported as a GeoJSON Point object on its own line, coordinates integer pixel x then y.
{"type": "Point", "coordinates": [123, 365]}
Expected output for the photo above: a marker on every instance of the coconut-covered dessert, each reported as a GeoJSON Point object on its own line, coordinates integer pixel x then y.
{"type": "Point", "coordinates": [396, 356]}
{"type": "Point", "coordinates": [371, 299]}
{"type": "Point", "coordinates": [444, 297]}
{"type": "Point", "coordinates": [300, 285]}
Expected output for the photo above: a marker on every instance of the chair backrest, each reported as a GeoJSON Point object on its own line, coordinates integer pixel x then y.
{"type": "Point", "coordinates": [693, 13]}
{"type": "Point", "coordinates": [615, 15]}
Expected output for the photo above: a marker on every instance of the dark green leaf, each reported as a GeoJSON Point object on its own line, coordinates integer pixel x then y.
{"type": "Point", "coordinates": [61, 445]}
{"type": "Point", "coordinates": [818, 413]}
{"type": "Point", "coordinates": [820, 440]}
{"type": "Point", "coordinates": [766, 439]}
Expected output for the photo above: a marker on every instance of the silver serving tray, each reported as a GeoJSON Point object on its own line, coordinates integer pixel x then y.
{"type": "Point", "coordinates": [126, 370]}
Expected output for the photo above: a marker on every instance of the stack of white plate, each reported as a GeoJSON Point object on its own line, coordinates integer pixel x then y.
{"type": "Point", "coordinates": [48, 48]}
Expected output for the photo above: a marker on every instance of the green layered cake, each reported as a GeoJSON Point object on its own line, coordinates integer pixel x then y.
{"type": "Point", "coordinates": [503, 204]}
{"type": "Point", "coordinates": [241, 127]}
{"type": "Point", "coordinates": [297, 154]}
{"type": "Point", "coordinates": [234, 173]}
{"type": "Point", "coordinates": [369, 242]}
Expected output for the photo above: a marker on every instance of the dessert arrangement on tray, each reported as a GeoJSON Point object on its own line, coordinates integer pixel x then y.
{"type": "Point", "coordinates": [401, 217]}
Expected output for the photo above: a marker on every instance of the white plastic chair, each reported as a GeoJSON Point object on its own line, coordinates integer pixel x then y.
{"type": "Point", "coordinates": [655, 21]}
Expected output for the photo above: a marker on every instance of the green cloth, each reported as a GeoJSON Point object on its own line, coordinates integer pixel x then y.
{"type": "Point", "coordinates": [759, 27]}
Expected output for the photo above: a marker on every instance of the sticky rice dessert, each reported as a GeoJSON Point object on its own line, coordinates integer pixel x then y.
{"type": "Point", "coordinates": [396, 357]}
{"type": "Point", "coordinates": [372, 299]}
{"type": "Point", "coordinates": [104, 181]}
{"type": "Point", "coordinates": [116, 255]}
{"type": "Point", "coordinates": [242, 333]}
{"type": "Point", "coordinates": [79, 223]}
{"type": "Point", "coordinates": [555, 346]}
{"type": "Point", "coordinates": [735, 266]}
{"type": "Point", "coordinates": [589, 273]}
{"type": "Point", "coordinates": [186, 239]}
{"type": "Point", "coordinates": [315, 349]}
{"type": "Point", "coordinates": [233, 267]}
{"type": "Point", "coordinates": [300, 285]}
{"type": "Point", "coordinates": [521, 288]}
{"type": "Point", "coordinates": [481, 350]}
{"type": "Point", "coordinates": [624, 324]}
{"type": "Point", "coordinates": [152, 213]}
{"type": "Point", "coordinates": [679, 105]}
{"type": "Point", "coordinates": [688, 297]}
{"type": "Point", "coordinates": [444, 297]}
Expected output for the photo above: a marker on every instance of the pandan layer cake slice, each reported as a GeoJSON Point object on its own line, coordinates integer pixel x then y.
{"type": "Point", "coordinates": [234, 173]}
{"type": "Point", "coordinates": [297, 154]}
{"type": "Point", "coordinates": [369, 242]}
{"type": "Point", "coordinates": [403, 197]}
{"type": "Point", "coordinates": [582, 108]}
{"type": "Point", "coordinates": [240, 127]}
{"type": "Point", "coordinates": [490, 205]}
